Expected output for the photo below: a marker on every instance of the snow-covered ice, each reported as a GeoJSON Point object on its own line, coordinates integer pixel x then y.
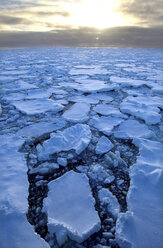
{"type": "Point", "coordinates": [87, 123]}
{"type": "Point", "coordinates": [105, 124]}
{"type": "Point", "coordinates": [77, 217]}
{"type": "Point", "coordinates": [39, 106]}
{"type": "Point", "coordinates": [130, 129]}
{"type": "Point", "coordinates": [76, 137]}
{"type": "Point", "coordinates": [79, 112]}
{"type": "Point", "coordinates": [104, 145]}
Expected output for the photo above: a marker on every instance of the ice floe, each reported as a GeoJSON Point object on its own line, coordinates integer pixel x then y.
{"type": "Point", "coordinates": [77, 217]}
{"type": "Point", "coordinates": [130, 129]}
{"type": "Point", "coordinates": [104, 145]}
{"type": "Point", "coordinates": [105, 124]}
{"type": "Point", "coordinates": [39, 106]}
{"type": "Point", "coordinates": [108, 110]}
{"type": "Point", "coordinates": [79, 112]}
{"type": "Point", "coordinates": [75, 137]}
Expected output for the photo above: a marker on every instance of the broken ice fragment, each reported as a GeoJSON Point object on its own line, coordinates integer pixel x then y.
{"type": "Point", "coordinates": [76, 137]}
{"type": "Point", "coordinates": [70, 207]}
{"type": "Point", "coordinates": [78, 112]}
{"type": "Point", "coordinates": [104, 145]}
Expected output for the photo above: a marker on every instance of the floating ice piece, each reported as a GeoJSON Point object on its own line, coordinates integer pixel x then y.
{"type": "Point", "coordinates": [37, 93]}
{"type": "Point", "coordinates": [0, 109]}
{"type": "Point", "coordinates": [107, 198]}
{"type": "Point", "coordinates": [128, 82]}
{"type": "Point", "coordinates": [38, 106]}
{"type": "Point", "coordinates": [104, 145]}
{"type": "Point", "coordinates": [144, 215]}
{"type": "Point", "coordinates": [62, 161]}
{"type": "Point", "coordinates": [76, 137]}
{"type": "Point", "coordinates": [41, 128]}
{"type": "Point", "coordinates": [79, 112]}
{"type": "Point", "coordinates": [98, 173]}
{"type": "Point", "coordinates": [44, 168]}
{"type": "Point", "coordinates": [151, 152]}
{"type": "Point", "coordinates": [85, 99]}
{"type": "Point", "coordinates": [130, 129]}
{"type": "Point", "coordinates": [70, 208]}
{"type": "Point", "coordinates": [88, 71]}
{"type": "Point", "coordinates": [17, 86]}
{"type": "Point", "coordinates": [105, 124]}
{"type": "Point", "coordinates": [158, 88]}
{"type": "Point", "coordinates": [16, 232]}
{"type": "Point", "coordinates": [92, 86]}
{"type": "Point", "coordinates": [105, 109]}
{"type": "Point", "coordinates": [144, 200]}
{"type": "Point", "coordinates": [150, 114]}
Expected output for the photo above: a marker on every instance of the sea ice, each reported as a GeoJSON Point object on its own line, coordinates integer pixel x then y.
{"type": "Point", "coordinates": [104, 145]}
{"type": "Point", "coordinates": [144, 216]}
{"type": "Point", "coordinates": [32, 107]}
{"type": "Point", "coordinates": [70, 208]}
{"type": "Point", "coordinates": [105, 124]}
{"type": "Point", "coordinates": [107, 198]}
{"type": "Point", "coordinates": [130, 129]}
{"type": "Point", "coordinates": [108, 110]}
{"type": "Point", "coordinates": [15, 229]}
{"type": "Point", "coordinates": [41, 128]}
{"type": "Point", "coordinates": [150, 114]}
{"type": "Point", "coordinates": [86, 99]}
{"type": "Point", "coordinates": [128, 82]}
{"type": "Point", "coordinates": [76, 137]}
{"type": "Point", "coordinates": [79, 112]}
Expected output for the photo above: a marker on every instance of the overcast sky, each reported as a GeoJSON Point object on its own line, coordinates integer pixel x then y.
{"type": "Point", "coordinates": [130, 23]}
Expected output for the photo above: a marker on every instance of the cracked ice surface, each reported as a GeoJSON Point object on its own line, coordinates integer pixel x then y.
{"type": "Point", "coordinates": [46, 96]}
{"type": "Point", "coordinates": [77, 217]}
{"type": "Point", "coordinates": [76, 137]}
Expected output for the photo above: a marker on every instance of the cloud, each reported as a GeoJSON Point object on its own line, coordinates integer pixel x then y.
{"type": "Point", "coordinates": [52, 13]}
{"type": "Point", "coordinates": [112, 37]}
{"type": "Point", "coordinates": [148, 12]}
{"type": "Point", "coordinates": [11, 20]}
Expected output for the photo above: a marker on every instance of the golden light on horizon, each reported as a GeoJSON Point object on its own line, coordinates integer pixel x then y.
{"type": "Point", "coordinates": [95, 13]}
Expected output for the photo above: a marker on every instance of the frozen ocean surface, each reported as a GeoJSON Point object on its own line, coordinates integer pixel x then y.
{"type": "Point", "coordinates": [81, 144]}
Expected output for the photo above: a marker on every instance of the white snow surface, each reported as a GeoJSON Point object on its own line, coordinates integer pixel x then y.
{"type": "Point", "coordinates": [105, 124]}
{"type": "Point", "coordinates": [16, 232]}
{"type": "Point", "coordinates": [140, 226]}
{"type": "Point", "coordinates": [104, 145]}
{"type": "Point", "coordinates": [77, 217]}
{"type": "Point", "coordinates": [39, 106]}
{"type": "Point", "coordinates": [79, 112]}
{"type": "Point", "coordinates": [76, 137]}
{"type": "Point", "coordinates": [130, 129]}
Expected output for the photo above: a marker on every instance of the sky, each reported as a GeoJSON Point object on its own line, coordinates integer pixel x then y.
{"type": "Point", "coordinates": [101, 23]}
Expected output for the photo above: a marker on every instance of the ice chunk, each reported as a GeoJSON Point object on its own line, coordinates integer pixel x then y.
{"type": "Point", "coordinates": [70, 207]}
{"type": "Point", "coordinates": [141, 225]}
{"type": "Point", "coordinates": [130, 129]}
{"type": "Point", "coordinates": [105, 109]}
{"type": "Point", "coordinates": [105, 124]}
{"type": "Point", "coordinates": [37, 93]}
{"type": "Point", "coordinates": [76, 137]}
{"type": "Point", "coordinates": [88, 71]}
{"type": "Point", "coordinates": [38, 106]}
{"type": "Point", "coordinates": [128, 82]}
{"type": "Point", "coordinates": [85, 99]}
{"type": "Point", "coordinates": [144, 216]}
{"type": "Point", "coordinates": [151, 152]}
{"type": "Point", "coordinates": [150, 114]}
{"type": "Point", "coordinates": [17, 86]}
{"type": "Point", "coordinates": [44, 168]}
{"type": "Point", "coordinates": [16, 232]}
{"type": "Point", "coordinates": [41, 128]}
{"type": "Point", "coordinates": [107, 198]}
{"type": "Point", "coordinates": [0, 109]}
{"type": "Point", "coordinates": [79, 112]}
{"type": "Point", "coordinates": [92, 86]}
{"type": "Point", "coordinates": [104, 145]}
